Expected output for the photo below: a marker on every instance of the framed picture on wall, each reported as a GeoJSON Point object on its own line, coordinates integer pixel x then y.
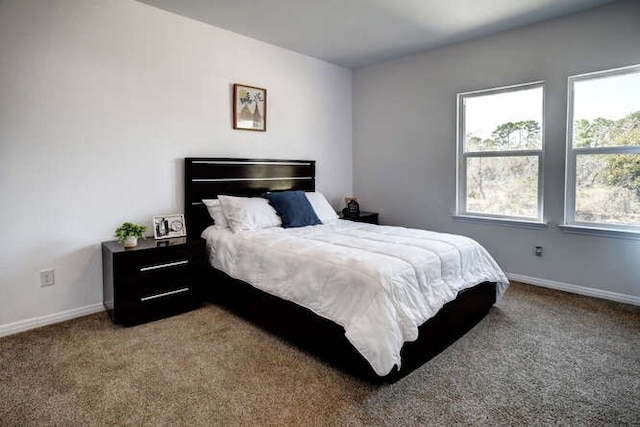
{"type": "Point", "coordinates": [249, 108]}
{"type": "Point", "coordinates": [168, 226]}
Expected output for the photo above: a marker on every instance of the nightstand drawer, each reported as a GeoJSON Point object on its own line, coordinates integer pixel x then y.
{"type": "Point", "coordinates": [162, 258]}
{"type": "Point", "coordinates": [159, 305]}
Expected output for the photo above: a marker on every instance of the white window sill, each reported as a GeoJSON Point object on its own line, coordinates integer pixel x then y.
{"type": "Point", "coordinates": [599, 231]}
{"type": "Point", "coordinates": [519, 223]}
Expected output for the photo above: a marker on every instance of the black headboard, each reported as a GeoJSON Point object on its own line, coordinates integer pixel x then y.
{"type": "Point", "coordinates": [205, 178]}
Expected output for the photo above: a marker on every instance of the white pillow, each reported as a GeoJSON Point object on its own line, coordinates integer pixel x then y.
{"type": "Point", "coordinates": [248, 213]}
{"type": "Point", "coordinates": [321, 206]}
{"type": "Point", "coordinates": [215, 210]}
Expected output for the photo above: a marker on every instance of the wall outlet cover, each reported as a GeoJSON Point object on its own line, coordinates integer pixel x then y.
{"type": "Point", "coordinates": [47, 277]}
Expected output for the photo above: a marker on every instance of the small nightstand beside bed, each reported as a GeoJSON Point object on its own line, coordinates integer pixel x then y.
{"type": "Point", "coordinates": [376, 300]}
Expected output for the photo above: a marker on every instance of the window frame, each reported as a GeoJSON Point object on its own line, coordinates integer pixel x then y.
{"type": "Point", "coordinates": [461, 211]}
{"type": "Point", "coordinates": [572, 153]}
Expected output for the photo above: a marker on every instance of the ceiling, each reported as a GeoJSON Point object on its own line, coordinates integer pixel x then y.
{"type": "Point", "coordinates": [355, 33]}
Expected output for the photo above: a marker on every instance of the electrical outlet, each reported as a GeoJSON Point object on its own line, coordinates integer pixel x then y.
{"type": "Point", "coordinates": [538, 251]}
{"type": "Point", "coordinates": [46, 277]}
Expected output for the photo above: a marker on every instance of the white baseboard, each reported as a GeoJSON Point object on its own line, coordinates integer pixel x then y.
{"type": "Point", "coordinates": [575, 289]}
{"type": "Point", "coordinates": [36, 322]}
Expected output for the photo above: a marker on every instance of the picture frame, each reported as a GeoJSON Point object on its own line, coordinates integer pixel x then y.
{"type": "Point", "coordinates": [169, 226]}
{"type": "Point", "coordinates": [352, 209]}
{"type": "Point", "coordinates": [347, 199]}
{"type": "Point", "coordinates": [249, 108]}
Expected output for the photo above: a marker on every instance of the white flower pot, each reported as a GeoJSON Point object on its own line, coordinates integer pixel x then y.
{"type": "Point", "coordinates": [130, 242]}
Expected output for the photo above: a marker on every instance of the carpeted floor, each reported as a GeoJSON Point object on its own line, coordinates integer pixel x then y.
{"type": "Point", "coordinates": [540, 357]}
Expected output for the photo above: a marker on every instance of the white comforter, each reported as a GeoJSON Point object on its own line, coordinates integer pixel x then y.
{"type": "Point", "coordinates": [380, 283]}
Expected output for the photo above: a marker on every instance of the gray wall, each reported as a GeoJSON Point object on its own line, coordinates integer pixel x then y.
{"type": "Point", "coordinates": [100, 101]}
{"type": "Point", "coordinates": [404, 150]}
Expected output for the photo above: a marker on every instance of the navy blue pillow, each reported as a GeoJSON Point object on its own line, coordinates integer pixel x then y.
{"type": "Point", "coordinates": [293, 207]}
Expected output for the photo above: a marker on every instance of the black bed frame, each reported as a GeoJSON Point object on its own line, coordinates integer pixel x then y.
{"type": "Point", "coordinates": [205, 178]}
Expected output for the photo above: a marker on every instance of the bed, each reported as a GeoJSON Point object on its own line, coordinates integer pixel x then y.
{"type": "Point", "coordinates": [360, 343]}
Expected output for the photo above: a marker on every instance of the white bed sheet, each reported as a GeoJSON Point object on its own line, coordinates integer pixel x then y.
{"type": "Point", "coordinates": [379, 282]}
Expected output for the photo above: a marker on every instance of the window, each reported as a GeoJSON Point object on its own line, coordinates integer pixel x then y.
{"type": "Point", "coordinates": [500, 145]}
{"type": "Point", "coordinates": [603, 150]}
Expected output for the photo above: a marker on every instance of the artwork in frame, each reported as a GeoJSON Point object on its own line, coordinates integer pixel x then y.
{"type": "Point", "coordinates": [353, 208]}
{"type": "Point", "coordinates": [169, 226]}
{"type": "Point", "coordinates": [249, 108]}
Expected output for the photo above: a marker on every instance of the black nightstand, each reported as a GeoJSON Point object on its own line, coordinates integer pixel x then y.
{"type": "Point", "coordinates": [368, 217]}
{"type": "Point", "coordinates": [156, 279]}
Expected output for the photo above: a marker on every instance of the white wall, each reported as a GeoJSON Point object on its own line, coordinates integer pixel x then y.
{"type": "Point", "coordinates": [405, 139]}
{"type": "Point", "coordinates": [100, 100]}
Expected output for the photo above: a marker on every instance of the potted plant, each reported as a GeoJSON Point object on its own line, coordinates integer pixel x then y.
{"type": "Point", "coordinates": [129, 233]}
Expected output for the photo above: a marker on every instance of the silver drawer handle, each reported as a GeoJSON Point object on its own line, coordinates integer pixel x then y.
{"type": "Point", "coordinates": [164, 294]}
{"type": "Point", "coordinates": [168, 264]}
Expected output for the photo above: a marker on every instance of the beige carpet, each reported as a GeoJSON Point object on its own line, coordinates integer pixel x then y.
{"type": "Point", "coordinates": [540, 357]}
